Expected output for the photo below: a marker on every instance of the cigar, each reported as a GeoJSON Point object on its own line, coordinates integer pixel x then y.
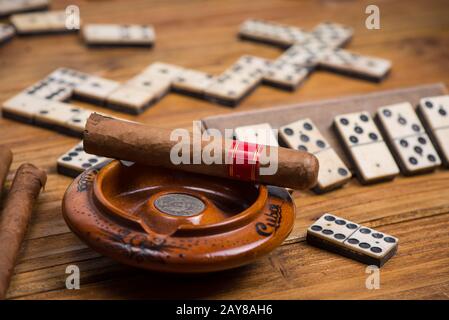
{"type": "Point", "coordinates": [15, 216]}
{"type": "Point", "coordinates": [5, 163]}
{"type": "Point", "coordinates": [125, 140]}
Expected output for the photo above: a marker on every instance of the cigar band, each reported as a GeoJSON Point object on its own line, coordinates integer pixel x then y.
{"type": "Point", "coordinates": [243, 161]}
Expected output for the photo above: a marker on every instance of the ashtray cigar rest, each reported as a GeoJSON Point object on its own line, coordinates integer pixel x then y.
{"type": "Point", "coordinates": [173, 221]}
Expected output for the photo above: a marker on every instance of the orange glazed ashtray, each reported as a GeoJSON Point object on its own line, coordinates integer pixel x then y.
{"type": "Point", "coordinates": [174, 221]}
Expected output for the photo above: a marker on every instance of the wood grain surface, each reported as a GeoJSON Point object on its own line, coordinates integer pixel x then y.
{"type": "Point", "coordinates": [202, 35]}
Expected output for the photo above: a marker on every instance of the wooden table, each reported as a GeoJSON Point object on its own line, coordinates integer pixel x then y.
{"type": "Point", "coordinates": [202, 35]}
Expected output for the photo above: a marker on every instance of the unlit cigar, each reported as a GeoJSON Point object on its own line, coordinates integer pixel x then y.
{"type": "Point", "coordinates": [5, 163]}
{"type": "Point", "coordinates": [136, 142]}
{"type": "Point", "coordinates": [15, 217]}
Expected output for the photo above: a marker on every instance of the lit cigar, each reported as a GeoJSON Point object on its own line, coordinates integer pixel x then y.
{"type": "Point", "coordinates": [239, 160]}
{"type": "Point", "coordinates": [15, 216]}
{"type": "Point", "coordinates": [5, 163]}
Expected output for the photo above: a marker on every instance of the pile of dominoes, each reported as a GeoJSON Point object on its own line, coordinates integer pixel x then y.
{"type": "Point", "coordinates": [25, 21]}
{"type": "Point", "coordinates": [306, 51]}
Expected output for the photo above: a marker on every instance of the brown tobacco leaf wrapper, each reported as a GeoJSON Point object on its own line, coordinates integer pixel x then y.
{"type": "Point", "coordinates": [135, 142]}
{"type": "Point", "coordinates": [5, 163]}
{"type": "Point", "coordinates": [15, 216]}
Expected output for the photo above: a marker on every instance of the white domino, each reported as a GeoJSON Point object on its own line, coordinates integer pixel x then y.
{"type": "Point", "coordinates": [8, 7]}
{"type": "Point", "coordinates": [332, 34]}
{"type": "Point", "coordinates": [95, 89]}
{"type": "Point", "coordinates": [352, 63]}
{"type": "Point", "coordinates": [272, 32]}
{"type": "Point", "coordinates": [407, 138]}
{"type": "Point", "coordinates": [304, 135]}
{"type": "Point", "coordinates": [238, 80]}
{"type": "Point", "coordinates": [261, 133]}
{"type": "Point", "coordinates": [116, 34]}
{"type": "Point", "coordinates": [58, 85]}
{"type": "Point", "coordinates": [163, 70]}
{"type": "Point", "coordinates": [352, 240]}
{"type": "Point", "coordinates": [435, 114]}
{"type": "Point", "coordinates": [132, 99]}
{"type": "Point", "coordinates": [23, 107]}
{"type": "Point", "coordinates": [366, 147]}
{"type": "Point", "coordinates": [6, 32]}
{"type": "Point", "coordinates": [76, 160]}
{"type": "Point", "coordinates": [294, 65]}
{"type": "Point", "coordinates": [192, 82]}
{"type": "Point", "coordinates": [40, 22]}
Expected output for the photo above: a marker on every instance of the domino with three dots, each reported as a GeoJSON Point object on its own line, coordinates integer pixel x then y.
{"type": "Point", "coordinates": [304, 135]}
{"type": "Point", "coordinates": [434, 112]}
{"type": "Point", "coordinates": [366, 148]}
{"type": "Point", "coordinates": [352, 240]}
{"type": "Point", "coordinates": [76, 160]}
{"type": "Point", "coordinates": [406, 137]}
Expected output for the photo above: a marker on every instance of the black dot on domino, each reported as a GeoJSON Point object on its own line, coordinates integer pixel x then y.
{"type": "Point", "coordinates": [288, 131]}
{"type": "Point", "coordinates": [351, 226]}
{"type": "Point", "coordinates": [422, 140]}
{"type": "Point", "coordinates": [390, 240]}
{"type": "Point", "coordinates": [365, 231]}
{"type": "Point", "coordinates": [320, 144]}
{"type": "Point", "coordinates": [364, 245]}
{"type": "Point", "coordinates": [340, 222]}
{"type": "Point", "coordinates": [404, 143]}
{"type": "Point", "coordinates": [353, 241]}
{"type": "Point", "coordinates": [343, 172]}
{"type": "Point", "coordinates": [304, 138]}
{"type": "Point", "coordinates": [302, 148]}
{"type": "Point", "coordinates": [329, 218]}
{"type": "Point", "coordinates": [339, 236]}
{"type": "Point", "coordinates": [442, 112]}
{"type": "Point", "coordinates": [328, 232]}
{"type": "Point", "coordinates": [344, 121]}
{"type": "Point", "coordinates": [431, 158]}
{"type": "Point", "coordinates": [316, 228]}
{"type": "Point", "coordinates": [307, 126]}
{"type": "Point", "coordinates": [428, 104]}
{"type": "Point", "coordinates": [376, 249]}
{"type": "Point", "coordinates": [373, 136]}
{"type": "Point", "coordinates": [418, 150]}
{"type": "Point", "coordinates": [413, 160]}
{"type": "Point", "coordinates": [386, 112]}
{"type": "Point", "coordinates": [358, 130]}
{"type": "Point", "coordinates": [377, 235]}
{"type": "Point", "coordinates": [353, 139]}
{"type": "Point", "coordinates": [402, 120]}
{"type": "Point", "coordinates": [364, 118]}
{"type": "Point", "coordinates": [416, 127]}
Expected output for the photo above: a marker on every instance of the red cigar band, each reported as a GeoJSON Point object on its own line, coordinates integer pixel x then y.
{"type": "Point", "coordinates": [244, 160]}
